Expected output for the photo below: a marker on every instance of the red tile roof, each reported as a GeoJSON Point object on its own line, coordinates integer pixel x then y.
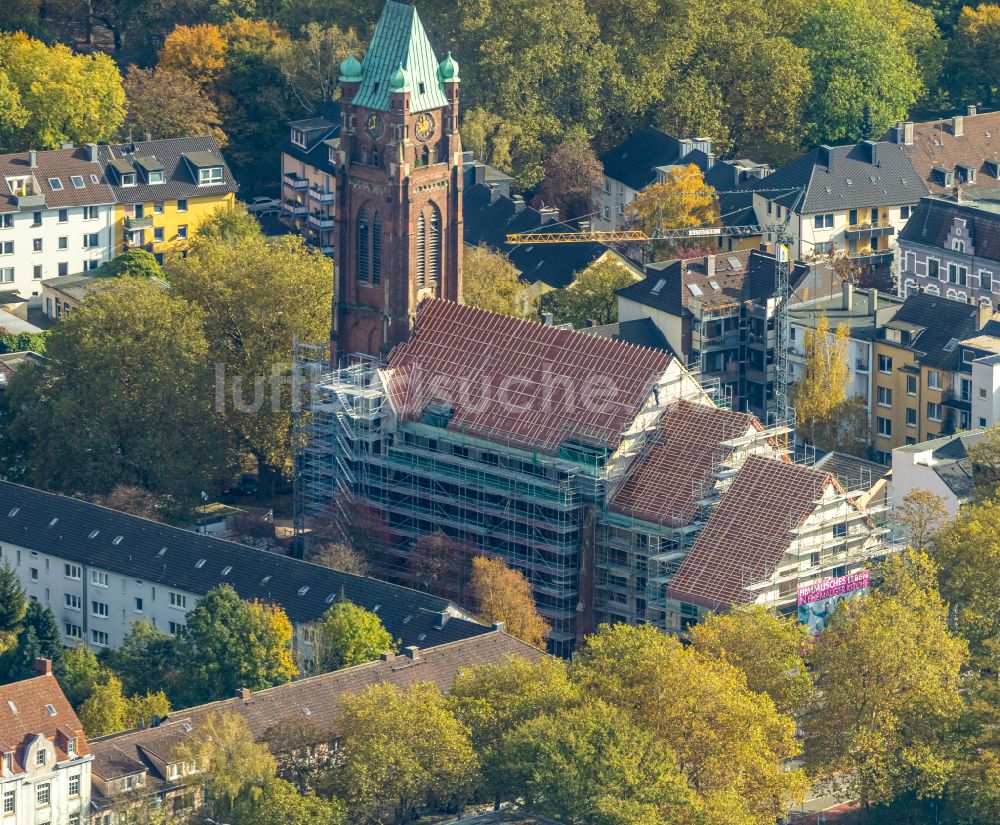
{"type": "Point", "coordinates": [748, 532]}
{"type": "Point", "coordinates": [24, 713]}
{"type": "Point", "coordinates": [532, 385]}
{"type": "Point", "coordinates": [666, 484]}
{"type": "Point", "coordinates": [56, 163]}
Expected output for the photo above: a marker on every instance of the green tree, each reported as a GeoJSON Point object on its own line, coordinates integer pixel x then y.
{"type": "Point", "coordinates": [985, 457]}
{"type": "Point", "coordinates": [125, 399]}
{"type": "Point", "coordinates": [50, 95]}
{"type": "Point", "coordinates": [78, 673]}
{"type": "Point", "coordinates": [280, 801]}
{"type": "Point", "coordinates": [23, 342]}
{"type": "Point", "coordinates": [143, 711]}
{"type": "Point", "coordinates": [403, 752]}
{"type": "Point", "coordinates": [147, 660]}
{"type": "Point", "coordinates": [888, 670]}
{"type": "Point", "coordinates": [38, 637]}
{"type": "Point", "coordinates": [259, 296]}
{"type": "Point", "coordinates": [490, 138]}
{"type": "Point", "coordinates": [823, 388]}
{"type": "Point", "coordinates": [591, 764]}
{"type": "Point", "coordinates": [491, 282]}
{"type": "Point", "coordinates": [974, 55]}
{"type": "Point", "coordinates": [765, 647]}
{"type": "Point", "coordinates": [591, 296]}
{"type": "Point", "coordinates": [166, 103]}
{"type": "Point", "coordinates": [133, 263]}
{"type": "Point", "coordinates": [573, 176]}
{"type": "Point", "coordinates": [501, 594]}
{"type": "Point", "coordinates": [105, 711]}
{"type": "Point", "coordinates": [13, 605]}
{"type": "Point", "coordinates": [230, 643]}
{"type": "Point", "coordinates": [922, 515]}
{"type": "Point", "coordinates": [310, 64]}
{"type": "Point", "coordinates": [349, 635]}
{"type": "Point", "coordinates": [229, 226]}
{"type": "Point", "coordinates": [729, 741]}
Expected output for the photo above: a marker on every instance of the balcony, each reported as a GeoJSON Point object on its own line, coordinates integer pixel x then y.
{"type": "Point", "coordinates": [326, 250]}
{"type": "Point", "coordinates": [30, 201]}
{"type": "Point", "coordinates": [139, 223]}
{"type": "Point", "coordinates": [860, 365]}
{"type": "Point", "coordinates": [293, 208]}
{"type": "Point", "coordinates": [320, 196]}
{"type": "Point", "coordinates": [869, 230]}
{"type": "Point", "coordinates": [317, 220]}
{"type": "Point", "coordinates": [294, 181]}
{"type": "Point", "coordinates": [869, 258]}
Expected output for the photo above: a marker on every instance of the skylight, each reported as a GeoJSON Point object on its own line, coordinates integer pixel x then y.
{"type": "Point", "coordinates": [117, 540]}
{"type": "Point", "coordinates": [227, 570]}
{"type": "Point", "coordinates": [51, 710]}
{"type": "Point", "coordinates": [56, 184]}
{"type": "Point", "coordinates": [93, 179]}
{"type": "Point", "coordinates": [266, 579]}
{"type": "Point", "coordinates": [93, 534]}
{"type": "Point", "coordinates": [12, 706]}
{"type": "Point", "coordinates": [950, 346]}
{"type": "Point", "coordinates": [659, 285]}
{"type": "Point", "coordinates": [330, 598]}
{"type": "Point", "coordinates": [376, 608]}
{"type": "Point", "coordinates": [14, 512]}
{"type": "Point", "coordinates": [77, 181]}
{"type": "Point", "coordinates": [303, 590]}
{"type": "Point", "coordinates": [162, 551]}
{"type": "Point", "coordinates": [695, 290]}
{"type": "Point", "coordinates": [407, 619]}
{"type": "Point", "coordinates": [200, 564]}
{"type": "Point", "coordinates": [53, 522]}
{"type": "Point", "coordinates": [735, 263]}
{"type": "Point", "coordinates": [187, 727]}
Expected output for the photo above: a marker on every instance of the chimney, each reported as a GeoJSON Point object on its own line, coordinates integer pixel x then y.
{"type": "Point", "coordinates": [897, 132]}
{"type": "Point", "coordinates": [413, 652]}
{"type": "Point", "coordinates": [710, 266]}
{"type": "Point", "coordinates": [548, 214]}
{"type": "Point", "coordinates": [848, 292]}
{"type": "Point", "coordinates": [43, 667]}
{"type": "Point", "coordinates": [873, 300]}
{"type": "Point", "coordinates": [243, 693]}
{"type": "Point", "coordinates": [518, 203]}
{"type": "Point", "coordinates": [686, 147]}
{"type": "Point", "coordinates": [970, 111]}
{"type": "Point", "coordinates": [823, 156]}
{"type": "Point", "coordinates": [871, 151]}
{"type": "Point", "coordinates": [33, 159]}
{"type": "Point", "coordinates": [548, 319]}
{"type": "Point", "coordinates": [908, 133]}
{"type": "Point", "coordinates": [388, 656]}
{"type": "Point", "coordinates": [499, 627]}
{"type": "Point", "coordinates": [92, 152]}
{"type": "Point", "coordinates": [66, 144]}
{"type": "Point", "coordinates": [479, 173]}
{"type": "Point", "coordinates": [958, 126]}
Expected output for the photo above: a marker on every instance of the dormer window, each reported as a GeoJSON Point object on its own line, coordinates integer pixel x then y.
{"type": "Point", "coordinates": [156, 176]}
{"type": "Point", "coordinates": [128, 179]}
{"type": "Point", "coordinates": [8, 762]}
{"type": "Point", "coordinates": [174, 771]}
{"type": "Point", "coordinates": [41, 756]}
{"type": "Point", "coordinates": [71, 746]}
{"type": "Point", "coordinates": [299, 138]}
{"type": "Point", "coordinates": [209, 175]}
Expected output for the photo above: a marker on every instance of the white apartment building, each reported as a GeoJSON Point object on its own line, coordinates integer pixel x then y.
{"type": "Point", "coordinates": [46, 762]}
{"type": "Point", "coordinates": [56, 217]}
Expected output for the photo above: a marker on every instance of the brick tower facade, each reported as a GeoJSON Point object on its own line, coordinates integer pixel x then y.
{"type": "Point", "coordinates": [399, 186]}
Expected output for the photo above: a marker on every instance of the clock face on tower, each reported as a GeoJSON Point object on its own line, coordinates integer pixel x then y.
{"type": "Point", "coordinates": [374, 126]}
{"type": "Point", "coordinates": [424, 128]}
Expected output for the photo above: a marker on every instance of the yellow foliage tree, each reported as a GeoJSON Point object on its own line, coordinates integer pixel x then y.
{"type": "Point", "coordinates": [823, 388]}
{"type": "Point", "coordinates": [922, 515]}
{"type": "Point", "coordinates": [683, 199]}
{"type": "Point", "coordinates": [196, 51]}
{"type": "Point", "coordinates": [491, 282]}
{"type": "Point", "coordinates": [504, 595]}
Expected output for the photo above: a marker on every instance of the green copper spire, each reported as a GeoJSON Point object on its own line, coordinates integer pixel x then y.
{"type": "Point", "coordinates": [448, 70]}
{"type": "Point", "coordinates": [350, 69]}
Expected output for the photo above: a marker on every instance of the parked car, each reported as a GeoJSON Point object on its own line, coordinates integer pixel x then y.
{"type": "Point", "coordinates": [263, 206]}
{"type": "Point", "coordinates": [248, 484]}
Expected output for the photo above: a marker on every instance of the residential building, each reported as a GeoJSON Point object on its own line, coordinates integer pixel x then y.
{"type": "Point", "coordinates": [922, 382]}
{"type": "Point", "coordinates": [952, 248]}
{"type": "Point", "coordinates": [64, 292]}
{"type": "Point", "coordinates": [139, 767]}
{"type": "Point", "coordinates": [961, 151]}
{"type": "Point", "coordinates": [163, 189]}
{"type": "Point", "coordinates": [309, 176]}
{"type": "Point", "coordinates": [99, 570]}
{"type": "Point", "coordinates": [399, 185]}
{"type": "Point", "coordinates": [717, 313]}
{"type": "Point", "coordinates": [46, 775]}
{"type": "Point", "coordinates": [56, 217]}
{"type": "Point", "coordinates": [941, 466]}
{"type": "Point", "coordinates": [853, 199]}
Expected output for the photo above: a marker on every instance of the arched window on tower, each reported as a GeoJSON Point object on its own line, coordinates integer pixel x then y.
{"type": "Point", "coordinates": [375, 156]}
{"type": "Point", "coordinates": [376, 249]}
{"type": "Point", "coordinates": [425, 155]}
{"type": "Point", "coordinates": [421, 250]}
{"type": "Point", "coordinates": [363, 246]}
{"type": "Point", "coordinates": [434, 247]}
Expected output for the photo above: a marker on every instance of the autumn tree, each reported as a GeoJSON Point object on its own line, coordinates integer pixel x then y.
{"type": "Point", "coordinates": [78, 674]}
{"type": "Point", "coordinates": [491, 282]}
{"type": "Point", "coordinates": [985, 457]}
{"type": "Point", "coordinates": [683, 199]}
{"type": "Point", "coordinates": [349, 635]}
{"type": "Point", "coordinates": [403, 752]}
{"type": "Point", "coordinates": [922, 515]}
{"type": "Point", "coordinates": [107, 710]}
{"type": "Point", "coordinates": [573, 176]}
{"type": "Point", "coordinates": [501, 594]}
{"type": "Point", "coordinates": [823, 387]}
{"type": "Point", "coordinates": [166, 103]}
{"type": "Point", "coordinates": [281, 801]}
{"type": "Point", "coordinates": [125, 398]}
{"type": "Point", "coordinates": [339, 556]}
{"type": "Point", "coordinates": [310, 63]}
{"type": "Point", "coordinates": [440, 565]}
{"type": "Point", "coordinates": [490, 138]}
{"type": "Point", "coordinates": [888, 670]}
{"type": "Point", "coordinates": [974, 55]}
{"type": "Point", "coordinates": [846, 429]}
{"type": "Point", "coordinates": [198, 52]}
{"type": "Point", "coordinates": [49, 95]}
{"type": "Point", "coordinates": [767, 648]}
{"type": "Point", "coordinates": [592, 295]}
{"type": "Point", "coordinates": [133, 500]}
{"type": "Point", "coordinates": [13, 605]}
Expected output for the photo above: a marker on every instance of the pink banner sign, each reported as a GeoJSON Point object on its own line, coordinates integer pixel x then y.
{"type": "Point", "coordinates": [839, 586]}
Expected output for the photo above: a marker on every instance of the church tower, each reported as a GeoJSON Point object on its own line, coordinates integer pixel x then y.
{"type": "Point", "coordinates": [399, 186]}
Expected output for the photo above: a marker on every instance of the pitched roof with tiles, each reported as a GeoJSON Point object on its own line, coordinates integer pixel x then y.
{"type": "Point", "coordinates": [90, 187]}
{"type": "Point", "coordinates": [88, 534]}
{"type": "Point", "coordinates": [935, 145]}
{"type": "Point", "coordinates": [748, 532]}
{"type": "Point", "coordinates": [665, 486]}
{"type": "Point", "coordinates": [319, 699]}
{"type": "Point", "coordinates": [400, 41]}
{"type": "Point", "coordinates": [851, 472]}
{"type": "Point", "coordinates": [932, 221]}
{"type": "Point", "coordinates": [934, 321]}
{"type": "Point", "coordinates": [848, 180]}
{"type": "Point", "coordinates": [533, 385]}
{"type": "Point", "coordinates": [38, 706]}
{"type": "Point", "coordinates": [634, 160]}
{"type": "Point", "coordinates": [180, 158]}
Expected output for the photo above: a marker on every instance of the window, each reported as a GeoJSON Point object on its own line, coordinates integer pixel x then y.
{"type": "Point", "coordinates": [91, 240]}
{"type": "Point", "coordinates": [904, 213]}
{"type": "Point", "coordinates": [884, 397]}
{"type": "Point", "coordinates": [56, 184]}
{"type": "Point", "coordinates": [99, 609]}
{"type": "Point", "coordinates": [36, 244]}
{"type": "Point", "coordinates": [823, 247]}
{"type": "Point", "coordinates": [74, 785]}
{"type": "Point", "coordinates": [966, 389]}
{"type": "Point", "coordinates": [9, 798]}
{"type": "Point", "coordinates": [933, 268]}
{"type": "Point", "coordinates": [157, 207]}
{"type": "Point", "coordinates": [957, 245]}
{"type": "Point", "coordinates": [73, 601]}
{"type": "Point", "coordinates": [814, 559]}
{"type": "Point", "coordinates": [72, 571]}
{"type": "Point", "coordinates": [6, 275]}
{"type": "Point", "coordinates": [89, 266]}
{"type": "Point", "coordinates": [34, 574]}
{"type": "Point", "coordinates": [174, 770]}
{"type": "Point", "coordinates": [823, 221]}
{"type": "Point", "coordinates": [36, 272]}
{"type": "Point", "coordinates": [73, 630]}
{"type": "Point", "coordinates": [157, 233]}
{"type": "Point", "coordinates": [182, 231]}
{"type": "Point", "coordinates": [63, 268]}
{"type": "Point", "coordinates": [7, 248]}
{"type": "Point", "coordinates": [71, 748]}
{"type": "Point", "coordinates": [8, 761]}
{"type": "Point", "coordinates": [63, 242]}
{"type": "Point", "coordinates": [40, 757]}
{"type": "Point", "coordinates": [299, 138]}
{"type": "Point", "coordinates": [178, 600]}
{"type": "Point", "coordinates": [885, 363]}
{"type": "Point", "coordinates": [36, 218]}
{"type": "Point", "coordinates": [155, 176]}
{"type": "Point", "coordinates": [74, 819]}
{"type": "Point", "coordinates": [90, 213]}
{"type": "Point", "coordinates": [128, 179]}
{"type": "Point", "coordinates": [63, 215]}
{"type": "Point", "coordinates": [957, 274]}
{"type": "Point", "coordinates": [176, 628]}
{"type": "Point", "coordinates": [138, 604]}
{"type": "Point", "coordinates": [43, 793]}
{"type": "Point", "coordinates": [986, 280]}
{"type": "Point", "coordinates": [840, 530]}
{"type": "Point", "coordinates": [98, 578]}
{"type": "Point", "coordinates": [884, 427]}
{"type": "Point", "coordinates": [213, 174]}
{"type": "Point", "coordinates": [933, 379]}
{"type": "Point", "coordinates": [99, 637]}
{"type": "Point", "coordinates": [933, 411]}
{"type": "Point", "coordinates": [911, 417]}
{"type": "Point", "coordinates": [140, 210]}
{"type": "Point", "coordinates": [182, 205]}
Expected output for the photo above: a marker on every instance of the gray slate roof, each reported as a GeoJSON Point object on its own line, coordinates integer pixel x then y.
{"type": "Point", "coordinates": [935, 322]}
{"type": "Point", "coordinates": [932, 220]}
{"type": "Point", "coordinates": [26, 519]}
{"type": "Point", "coordinates": [642, 332]}
{"type": "Point", "coordinates": [634, 160]}
{"type": "Point", "coordinates": [323, 126]}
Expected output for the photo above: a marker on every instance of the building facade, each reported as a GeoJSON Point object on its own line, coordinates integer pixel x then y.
{"type": "Point", "coordinates": [46, 772]}
{"type": "Point", "coordinates": [309, 176]}
{"type": "Point", "coordinates": [398, 205]}
{"type": "Point", "coordinates": [941, 466]}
